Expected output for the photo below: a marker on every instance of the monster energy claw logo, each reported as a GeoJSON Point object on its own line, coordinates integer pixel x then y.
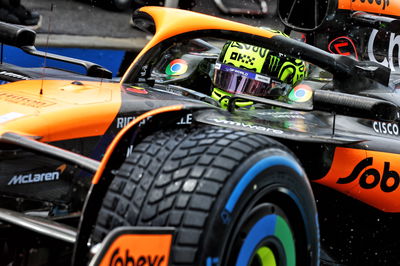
{"type": "Point", "coordinates": [274, 63]}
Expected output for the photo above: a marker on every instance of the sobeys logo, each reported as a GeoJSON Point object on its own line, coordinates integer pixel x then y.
{"type": "Point", "coordinates": [37, 177]}
{"type": "Point", "coordinates": [125, 259]}
{"type": "Point", "coordinates": [388, 180]}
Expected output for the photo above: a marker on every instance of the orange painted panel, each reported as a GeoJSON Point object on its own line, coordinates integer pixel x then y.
{"type": "Point", "coordinates": [387, 7]}
{"type": "Point", "coordinates": [139, 249]}
{"type": "Point", "coordinates": [369, 176]}
{"type": "Point", "coordinates": [61, 111]}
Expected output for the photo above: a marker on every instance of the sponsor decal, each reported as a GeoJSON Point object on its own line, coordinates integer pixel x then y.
{"type": "Point", "coordinates": [14, 75]}
{"type": "Point", "coordinates": [389, 7]}
{"type": "Point", "coordinates": [242, 58]}
{"type": "Point", "coordinates": [176, 67]}
{"type": "Point", "coordinates": [234, 70]}
{"type": "Point", "coordinates": [290, 115]}
{"type": "Point", "coordinates": [23, 100]}
{"type": "Point", "coordinates": [137, 249]}
{"type": "Point", "coordinates": [386, 128]}
{"type": "Point", "coordinates": [186, 120]}
{"type": "Point", "coordinates": [10, 116]}
{"type": "Point", "coordinates": [30, 178]}
{"type": "Point", "coordinates": [138, 90]}
{"type": "Point", "coordinates": [301, 93]}
{"type": "Point", "coordinates": [344, 46]}
{"type": "Point", "coordinates": [369, 176]}
{"type": "Point", "coordinates": [394, 44]}
{"type": "Point", "coordinates": [126, 259]}
{"type": "Point", "coordinates": [356, 4]}
{"type": "Point", "coordinates": [123, 121]}
{"type": "Point", "coordinates": [245, 125]}
{"type": "Point", "coordinates": [241, 72]}
{"type": "Point", "coordinates": [245, 56]}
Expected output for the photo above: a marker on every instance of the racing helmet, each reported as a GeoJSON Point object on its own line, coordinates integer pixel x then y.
{"type": "Point", "coordinates": [255, 71]}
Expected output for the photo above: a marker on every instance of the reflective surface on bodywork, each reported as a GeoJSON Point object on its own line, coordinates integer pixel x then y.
{"type": "Point", "coordinates": [38, 108]}
{"type": "Point", "coordinates": [279, 123]}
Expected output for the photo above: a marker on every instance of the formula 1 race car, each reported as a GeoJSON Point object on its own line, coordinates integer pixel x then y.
{"type": "Point", "coordinates": [152, 170]}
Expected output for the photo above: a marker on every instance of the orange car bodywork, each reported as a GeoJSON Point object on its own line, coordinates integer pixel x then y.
{"type": "Point", "coordinates": [139, 247]}
{"type": "Point", "coordinates": [369, 176]}
{"type": "Point", "coordinates": [62, 111]}
{"type": "Point", "coordinates": [372, 6]}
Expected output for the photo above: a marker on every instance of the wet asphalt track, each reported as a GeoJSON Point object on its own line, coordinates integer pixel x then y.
{"type": "Point", "coordinates": [78, 23]}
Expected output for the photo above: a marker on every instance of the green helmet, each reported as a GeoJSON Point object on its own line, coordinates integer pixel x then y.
{"type": "Point", "coordinates": [256, 71]}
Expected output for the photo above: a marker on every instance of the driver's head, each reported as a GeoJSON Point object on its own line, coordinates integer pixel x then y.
{"type": "Point", "coordinates": [256, 71]}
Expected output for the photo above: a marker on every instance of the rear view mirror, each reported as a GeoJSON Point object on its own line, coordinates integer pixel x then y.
{"type": "Point", "coordinates": [305, 15]}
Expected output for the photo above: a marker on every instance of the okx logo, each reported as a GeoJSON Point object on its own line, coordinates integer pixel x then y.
{"type": "Point", "coordinates": [243, 58]}
{"type": "Point", "coordinates": [368, 177]}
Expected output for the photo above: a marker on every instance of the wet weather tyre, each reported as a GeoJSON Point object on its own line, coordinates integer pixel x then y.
{"type": "Point", "coordinates": [235, 198]}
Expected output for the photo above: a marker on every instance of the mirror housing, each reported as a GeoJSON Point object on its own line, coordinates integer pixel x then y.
{"type": "Point", "coordinates": [354, 105]}
{"type": "Point", "coordinates": [334, 102]}
{"type": "Point", "coordinates": [306, 16]}
{"type": "Point", "coordinates": [16, 36]}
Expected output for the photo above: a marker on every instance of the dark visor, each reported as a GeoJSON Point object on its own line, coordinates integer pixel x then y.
{"type": "Point", "coordinates": [239, 81]}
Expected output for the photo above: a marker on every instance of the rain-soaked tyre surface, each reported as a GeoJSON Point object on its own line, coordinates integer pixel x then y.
{"type": "Point", "coordinates": [235, 198]}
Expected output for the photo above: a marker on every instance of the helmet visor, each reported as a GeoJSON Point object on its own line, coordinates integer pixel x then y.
{"type": "Point", "coordinates": [239, 81]}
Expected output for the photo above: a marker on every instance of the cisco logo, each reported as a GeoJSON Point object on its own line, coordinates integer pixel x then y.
{"type": "Point", "coordinates": [386, 128]}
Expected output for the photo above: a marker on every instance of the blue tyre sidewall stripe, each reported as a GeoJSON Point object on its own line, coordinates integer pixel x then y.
{"type": "Point", "coordinates": [256, 169]}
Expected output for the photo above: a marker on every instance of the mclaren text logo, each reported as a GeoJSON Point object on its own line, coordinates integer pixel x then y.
{"type": "Point", "coordinates": [394, 45]}
{"type": "Point", "coordinates": [37, 177]}
{"type": "Point", "coordinates": [126, 259]}
{"type": "Point", "coordinates": [386, 128]}
{"type": "Point", "coordinates": [245, 125]}
{"type": "Point", "coordinates": [369, 178]}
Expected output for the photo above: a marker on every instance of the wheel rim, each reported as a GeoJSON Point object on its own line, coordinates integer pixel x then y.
{"type": "Point", "coordinates": [264, 238]}
{"type": "Point", "coordinates": [265, 257]}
